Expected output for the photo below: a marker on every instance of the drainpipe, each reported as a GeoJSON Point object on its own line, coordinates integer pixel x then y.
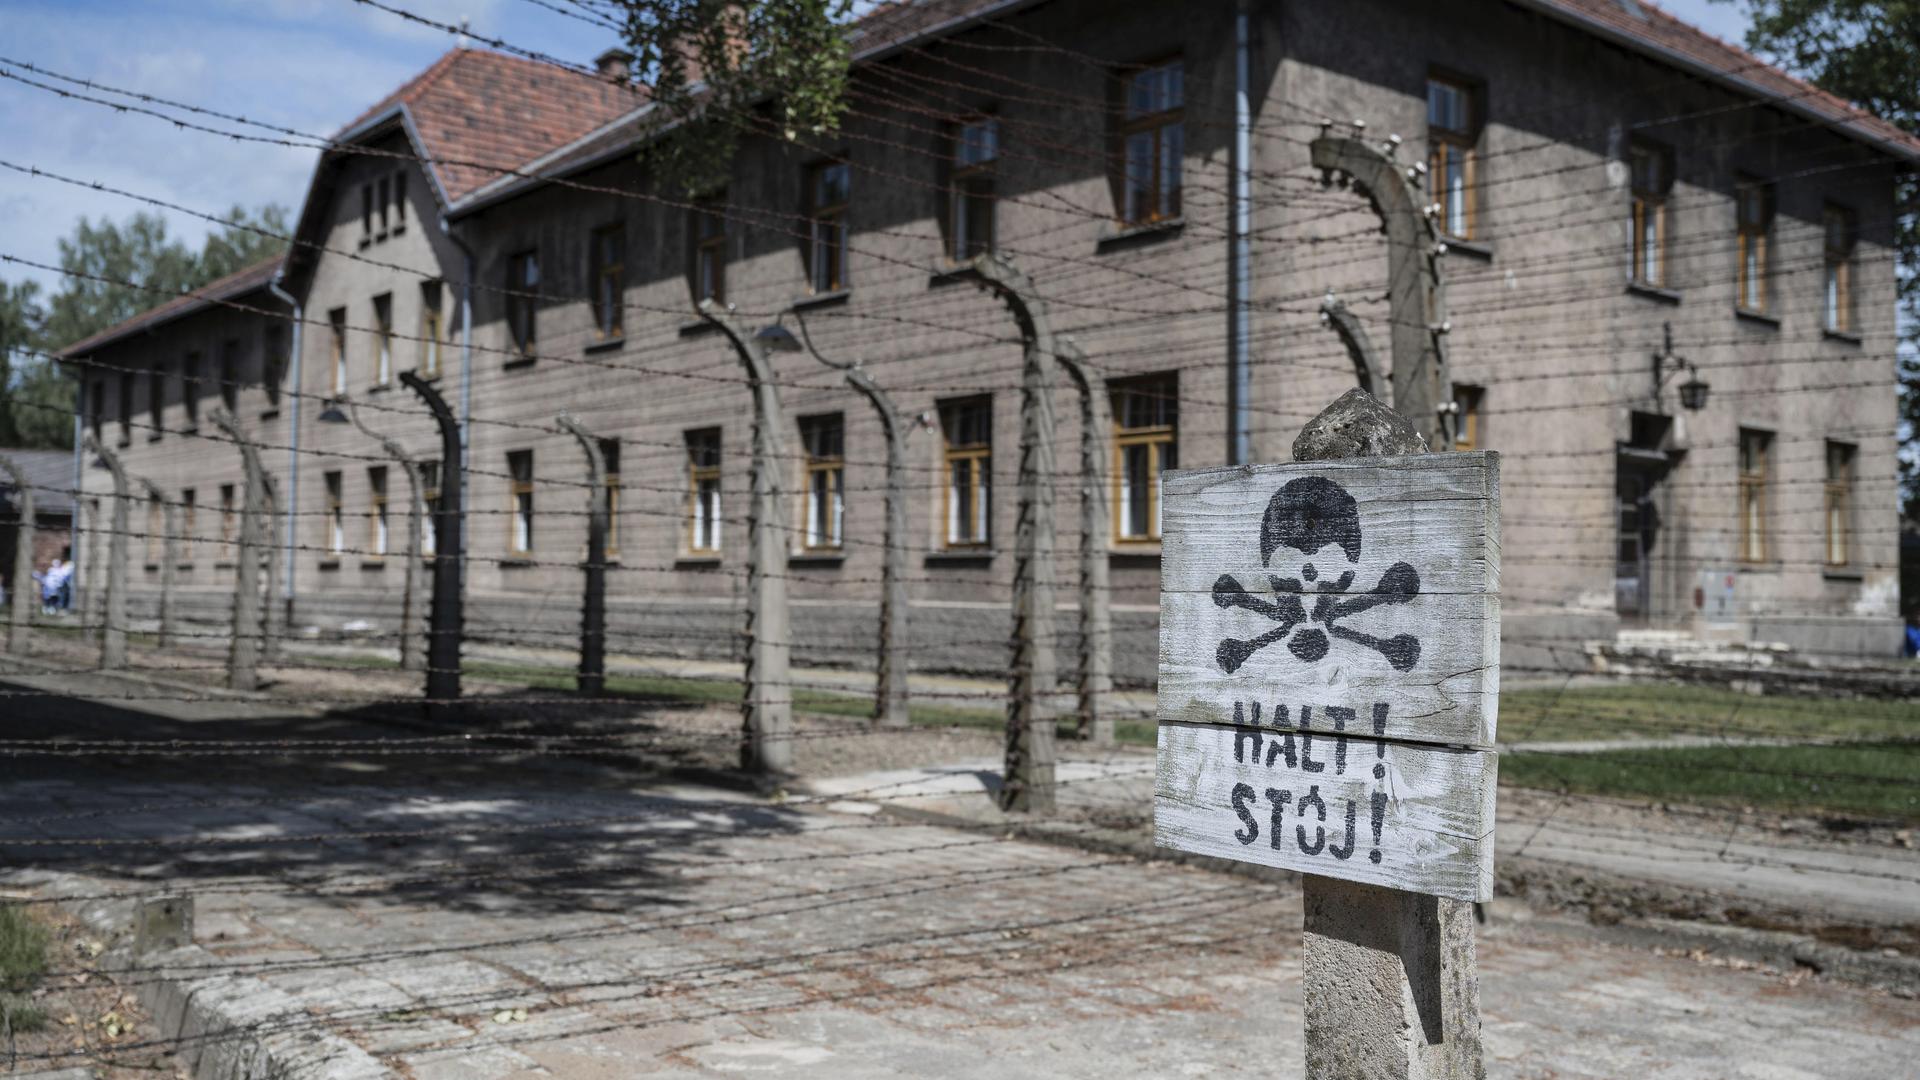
{"type": "Point", "coordinates": [293, 445]}
{"type": "Point", "coordinates": [1240, 255]}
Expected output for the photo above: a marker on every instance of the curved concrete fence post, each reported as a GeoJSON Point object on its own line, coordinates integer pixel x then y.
{"type": "Point", "coordinates": [1416, 288]}
{"type": "Point", "coordinates": [1028, 784]}
{"type": "Point", "coordinates": [113, 636]}
{"type": "Point", "coordinates": [1093, 674]}
{"type": "Point", "coordinates": [592, 676]}
{"type": "Point", "coordinates": [243, 652]}
{"type": "Point", "coordinates": [767, 707]}
{"type": "Point", "coordinates": [22, 594]}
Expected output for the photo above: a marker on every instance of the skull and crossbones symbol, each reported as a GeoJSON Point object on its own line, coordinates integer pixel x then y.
{"type": "Point", "coordinates": [1307, 515]}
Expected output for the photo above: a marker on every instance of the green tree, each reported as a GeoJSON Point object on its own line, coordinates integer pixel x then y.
{"type": "Point", "coordinates": [764, 67]}
{"type": "Point", "coordinates": [106, 266]}
{"type": "Point", "coordinates": [253, 236]}
{"type": "Point", "coordinates": [116, 270]}
{"type": "Point", "coordinates": [1867, 51]}
{"type": "Point", "coordinates": [20, 318]}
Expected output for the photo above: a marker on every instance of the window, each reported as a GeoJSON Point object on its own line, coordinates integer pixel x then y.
{"type": "Point", "coordinates": [1838, 301]}
{"type": "Point", "coordinates": [709, 230]}
{"type": "Point", "coordinates": [335, 519]}
{"type": "Point", "coordinates": [1652, 169]}
{"type": "Point", "coordinates": [520, 496]}
{"type": "Point", "coordinates": [1753, 210]}
{"type": "Point", "coordinates": [966, 426]}
{"type": "Point", "coordinates": [189, 521]}
{"type": "Point", "coordinates": [190, 389]}
{"type": "Point", "coordinates": [825, 440]}
{"type": "Point", "coordinates": [126, 407]}
{"type": "Point", "coordinates": [384, 207]}
{"type": "Point", "coordinates": [1466, 416]}
{"type": "Point", "coordinates": [1755, 447]}
{"type": "Point", "coordinates": [1154, 143]}
{"type": "Point", "coordinates": [430, 505]}
{"type": "Point", "coordinates": [610, 462]}
{"type": "Point", "coordinates": [227, 516]}
{"type": "Point", "coordinates": [399, 201]}
{"type": "Point", "coordinates": [1452, 161]}
{"type": "Point", "coordinates": [366, 214]}
{"type": "Point", "coordinates": [432, 329]}
{"type": "Point", "coordinates": [609, 258]}
{"type": "Point", "coordinates": [230, 374]}
{"type": "Point", "coordinates": [383, 339]}
{"type": "Point", "coordinates": [156, 528]}
{"type": "Point", "coordinates": [337, 320]}
{"type": "Point", "coordinates": [273, 363]}
{"type": "Point", "coordinates": [976, 146]}
{"type": "Point", "coordinates": [377, 530]}
{"type": "Point", "coordinates": [827, 187]}
{"type": "Point", "coordinates": [703, 491]}
{"type": "Point", "coordinates": [156, 398]}
{"type": "Point", "coordinates": [1840, 502]}
{"type": "Point", "coordinates": [523, 279]}
{"type": "Point", "coordinates": [1145, 419]}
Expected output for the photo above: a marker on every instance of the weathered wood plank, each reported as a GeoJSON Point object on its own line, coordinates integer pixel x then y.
{"type": "Point", "coordinates": [1311, 803]}
{"type": "Point", "coordinates": [1439, 512]}
{"type": "Point", "coordinates": [1447, 692]}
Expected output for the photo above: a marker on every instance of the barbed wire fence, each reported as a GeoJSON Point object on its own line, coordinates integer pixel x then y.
{"type": "Point", "coordinates": [526, 661]}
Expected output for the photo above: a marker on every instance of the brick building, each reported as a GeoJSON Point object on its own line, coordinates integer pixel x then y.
{"type": "Point", "coordinates": [1613, 184]}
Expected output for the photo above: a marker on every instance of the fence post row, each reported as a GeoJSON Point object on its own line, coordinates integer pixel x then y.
{"type": "Point", "coordinates": [25, 528]}
{"type": "Point", "coordinates": [1093, 674]}
{"type": "Point", "coordinates": [410, 652]}
{"type": "Point", "coordinates": [243, 654]}
{"type": "Point", "coordinates": [169, 555]}
{"type": "Point", "coordinates": [592, 679]}
{"type": "Point", "coordinates": [113, 637]}
{"type": "Point", "coordinates": [767, 705]}
{"type": "Point", "coordinates": [1416, 290]}
{"type": "Point", "coordinates": [1028, 784]}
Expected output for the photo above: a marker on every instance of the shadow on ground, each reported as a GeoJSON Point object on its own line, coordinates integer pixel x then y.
{"type": "Point", "coordinates": [509, 802]}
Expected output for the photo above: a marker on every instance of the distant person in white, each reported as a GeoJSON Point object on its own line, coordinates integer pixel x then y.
{"type": "Point", "coordinates": [53, 586]}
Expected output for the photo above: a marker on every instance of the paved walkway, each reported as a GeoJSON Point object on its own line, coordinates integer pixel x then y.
{"type": "Point", "coordinates": [495, 933]}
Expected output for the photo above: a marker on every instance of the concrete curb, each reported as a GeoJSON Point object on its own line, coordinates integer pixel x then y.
{"type": "Point", "coordinates": [227, 1027]}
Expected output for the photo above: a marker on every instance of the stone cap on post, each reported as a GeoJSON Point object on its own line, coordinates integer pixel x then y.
{"type": "Point", "coordinates": [1357, 425]}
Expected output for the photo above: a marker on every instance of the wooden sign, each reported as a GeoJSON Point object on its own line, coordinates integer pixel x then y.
{"type": "Point", "coordinates": [1330, 668]}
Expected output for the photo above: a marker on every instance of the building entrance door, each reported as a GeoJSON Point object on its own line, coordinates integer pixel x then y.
{"type": "Point", "coordinates": [1637, 521]}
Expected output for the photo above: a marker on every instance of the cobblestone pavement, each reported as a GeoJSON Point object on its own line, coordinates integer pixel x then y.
{"type": "Point", "coordinates": [522, 930]}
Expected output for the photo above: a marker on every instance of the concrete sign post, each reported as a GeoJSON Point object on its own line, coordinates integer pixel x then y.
{"type": "Point", "coordinates": [1329, 685]}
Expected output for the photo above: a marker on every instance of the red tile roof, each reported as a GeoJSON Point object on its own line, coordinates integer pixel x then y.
{"type": "Point", "coordinates": [478, 112]}
{"type": "Point", "coordinates": [1647, 27]}
{"type": "Point", "coordinates": [237, 284]}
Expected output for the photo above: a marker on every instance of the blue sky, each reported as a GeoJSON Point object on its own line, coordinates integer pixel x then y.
{"type": "Point", "coordinates": [311, 65]}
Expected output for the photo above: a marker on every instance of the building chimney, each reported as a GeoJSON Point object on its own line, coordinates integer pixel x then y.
{"type": "Point", "coordinates": [614, 64]}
